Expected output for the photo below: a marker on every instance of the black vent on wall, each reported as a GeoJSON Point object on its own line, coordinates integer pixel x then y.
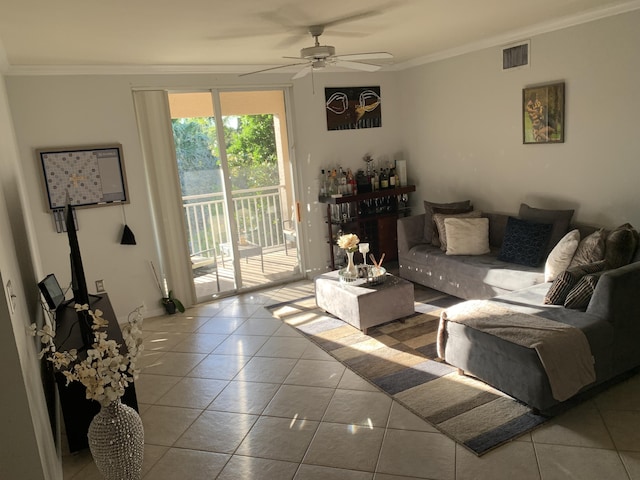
{"type": "Point", "coordinates": [515, 56]}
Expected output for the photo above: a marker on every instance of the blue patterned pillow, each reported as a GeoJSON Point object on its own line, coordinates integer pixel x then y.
{"type": "Point", "coordinates": [525, 242]}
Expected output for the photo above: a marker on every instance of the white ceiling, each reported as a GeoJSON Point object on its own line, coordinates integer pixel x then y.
{"type": "Point", "coordinates": [241, 35]}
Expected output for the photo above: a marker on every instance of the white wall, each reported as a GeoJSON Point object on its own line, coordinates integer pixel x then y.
{"type": "Point", "coordinates": [51, 111]}
{"type": "Point", "coordinates": [463, 128]}
{"type": "Point", "coordinates": [27, 448]}
{"type": "Point", "coordinates": [317, 148]}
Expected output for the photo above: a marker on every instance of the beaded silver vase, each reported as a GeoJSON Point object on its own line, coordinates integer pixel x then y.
{"type": "Point", "coordinates": [116, 441]}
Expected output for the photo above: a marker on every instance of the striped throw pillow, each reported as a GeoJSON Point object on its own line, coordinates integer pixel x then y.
{"type": "Point", "coordinates": [567, 280]}
{"type": "Point", "coordinates": [580, 295]}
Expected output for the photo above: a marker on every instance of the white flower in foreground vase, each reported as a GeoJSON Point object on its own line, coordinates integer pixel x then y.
{"type": "Point", "coordinates": [103, 369]}
{"type": "Point", "coordinates": [349, 242]}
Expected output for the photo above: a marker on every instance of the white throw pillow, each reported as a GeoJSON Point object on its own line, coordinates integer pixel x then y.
{"type": "Point", "coordinates": [467, 236]}
{"type": "Point", "coordinates": [560, 257]}
{"type": "Point", "coordinates": [438, 220]}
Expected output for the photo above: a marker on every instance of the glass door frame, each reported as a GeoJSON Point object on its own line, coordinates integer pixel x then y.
{"type": "Point", "coordinates": [227, 189]}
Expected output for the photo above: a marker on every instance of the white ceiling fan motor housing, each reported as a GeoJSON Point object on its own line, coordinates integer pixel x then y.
{"type": "Point", "coordinates": [317, 52]}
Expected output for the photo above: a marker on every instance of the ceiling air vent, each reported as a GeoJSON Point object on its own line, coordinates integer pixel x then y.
{"type": "Point", "coordinates": [516, 56]}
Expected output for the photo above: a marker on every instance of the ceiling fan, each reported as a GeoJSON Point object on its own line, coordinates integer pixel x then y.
{"type": "Point", "coordinates": [321, 56]}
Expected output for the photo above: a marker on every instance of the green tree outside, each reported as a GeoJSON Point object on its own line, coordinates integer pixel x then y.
{"type": "Point", "coordinates": [251, 153]}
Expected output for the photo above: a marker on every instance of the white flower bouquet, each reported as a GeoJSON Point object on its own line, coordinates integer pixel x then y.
{"type": "Point", "coordinates": [104, 371]}
{"type": "Point", "coordinates": [349, 242]}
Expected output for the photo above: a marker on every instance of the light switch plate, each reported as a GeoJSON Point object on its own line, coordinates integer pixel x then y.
{"type": "Point", "coordinates": [13, 300]}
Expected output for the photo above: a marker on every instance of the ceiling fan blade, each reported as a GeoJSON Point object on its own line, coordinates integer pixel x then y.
{"type": "Point", "coordinates": [357, 65]}
{"type": "Point", "coordinates": [302, 72]}
{"type": "Point", "coordinates": [273, 68]}
{"type": "Point", "coordinates": [358, 15]}
{"type": "Point", "coordinates": [365, 56]}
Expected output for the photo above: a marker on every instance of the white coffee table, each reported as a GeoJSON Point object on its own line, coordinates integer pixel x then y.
{"type": "Point", "coordinates": [364, 306]}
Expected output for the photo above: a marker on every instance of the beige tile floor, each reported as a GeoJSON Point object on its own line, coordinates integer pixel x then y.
{"type": "Point", "coordinates": [228, 392]}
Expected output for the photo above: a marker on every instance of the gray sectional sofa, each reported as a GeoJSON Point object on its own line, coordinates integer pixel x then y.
{"type": "Point", "coordinates": [611, 322]}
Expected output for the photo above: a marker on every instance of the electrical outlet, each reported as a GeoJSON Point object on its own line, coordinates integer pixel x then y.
{"type": "Point", "coordinates": [99, 286]}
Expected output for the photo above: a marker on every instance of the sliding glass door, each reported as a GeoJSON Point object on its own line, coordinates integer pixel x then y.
{"type": "Point", "coordinates": [237, 189]}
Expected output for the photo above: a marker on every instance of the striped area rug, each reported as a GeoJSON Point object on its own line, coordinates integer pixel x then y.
{"type": "Point", "coordinates": [400, 358]}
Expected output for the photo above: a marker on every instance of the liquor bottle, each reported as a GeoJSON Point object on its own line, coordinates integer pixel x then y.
{"type": "Point", "coordinates": [323, 183]}
{"type": "Point", "coordinates": [352, 187]}
{"type": "Point", "coordinates": [376, 180]}
{"type": "Point", "coordinates": [392, 178]}
{"type": "Point", "coordinates": [333, 183]}
{"type": "Point", "coordinates": [342, 178]}
{"type": "Point", "coordinates": [384, 179]}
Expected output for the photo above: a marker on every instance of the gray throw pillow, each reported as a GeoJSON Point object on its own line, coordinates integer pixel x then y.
{"type": "Point", "coordinates": [590, 249]}
{"type": "Point", "coordinates": [620, 245]}
{"type": "Point", "coordinates": [560, 219]}
{"type": "Point", "coordinates": [428, 210]}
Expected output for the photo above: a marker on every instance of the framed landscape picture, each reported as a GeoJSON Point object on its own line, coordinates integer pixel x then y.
{"type": "Point", "coordinates": [543, 114]}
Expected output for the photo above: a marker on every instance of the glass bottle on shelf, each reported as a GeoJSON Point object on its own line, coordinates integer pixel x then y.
{"type": "Point", "coordinates": [333, 185]}
{"type": "Point", "coordinates": [392, 178]}
{"type": "Point", "coordinates": [384, 179]}
{"type": "Point", "coordinates": [323, 183]}
{"type": "Point", "coordinates": [352, 187]}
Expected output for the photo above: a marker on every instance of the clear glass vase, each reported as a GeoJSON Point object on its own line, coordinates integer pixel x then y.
{"type": "Point", "coordinates": [351, 269]}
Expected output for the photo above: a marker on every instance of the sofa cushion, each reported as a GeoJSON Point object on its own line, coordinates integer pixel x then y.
{"type": "Point", "coordinates": [590, 249]}
{"type": "Point", "coordinates": [580, 295]}
{"type": "Point", "coordinates": [620, 245]}
{"type": "Point", "coordinates": [565, 281]}
{"type": "Point", "coordinates": [560, 219]}
{"type": "Point", "coordinates": [467, 276]}
{"type": "Point", "coordinates": [467, 236]}
{"type": "Point", "coordinates": [560, 257]}
{"type": "Point", "coordinates": [428, 210]}
{"type": "Point", "coordinates": [440, 233]}
{"type": "Point", "coordinates": [525, 242]}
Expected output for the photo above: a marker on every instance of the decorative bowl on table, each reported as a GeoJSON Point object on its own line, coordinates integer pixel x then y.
{"type": "Point", "coordinates": [376, 275]}
{"type": "Point", "coordinates": [345, 277]}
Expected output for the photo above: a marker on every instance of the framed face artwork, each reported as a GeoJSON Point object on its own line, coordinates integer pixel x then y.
{"type": "Point", "coordinates": [350, 108]}
{"type": "Point", "coordinates": [543, 114]}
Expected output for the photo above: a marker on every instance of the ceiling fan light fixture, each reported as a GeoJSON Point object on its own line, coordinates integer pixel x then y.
{"type": "Point", "coordinates": [320, 63]}
{"type": "Point", "coordinates": [318, 51]}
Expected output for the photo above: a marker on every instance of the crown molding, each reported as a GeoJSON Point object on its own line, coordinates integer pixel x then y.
{"type": "Point", "coordinates": [125, 69]}
{"type": "Point", "coordinates": [525, 33]}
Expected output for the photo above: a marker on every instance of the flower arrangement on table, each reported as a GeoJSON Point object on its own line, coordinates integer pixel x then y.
{"type": "Point", "coordinates": [349, 242]}
{"type": "Point", "coordinates": [104, 371]}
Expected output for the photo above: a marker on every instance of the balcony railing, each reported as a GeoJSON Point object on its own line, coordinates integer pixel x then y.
{"type": "Point", "coordinates": [258, 216]}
